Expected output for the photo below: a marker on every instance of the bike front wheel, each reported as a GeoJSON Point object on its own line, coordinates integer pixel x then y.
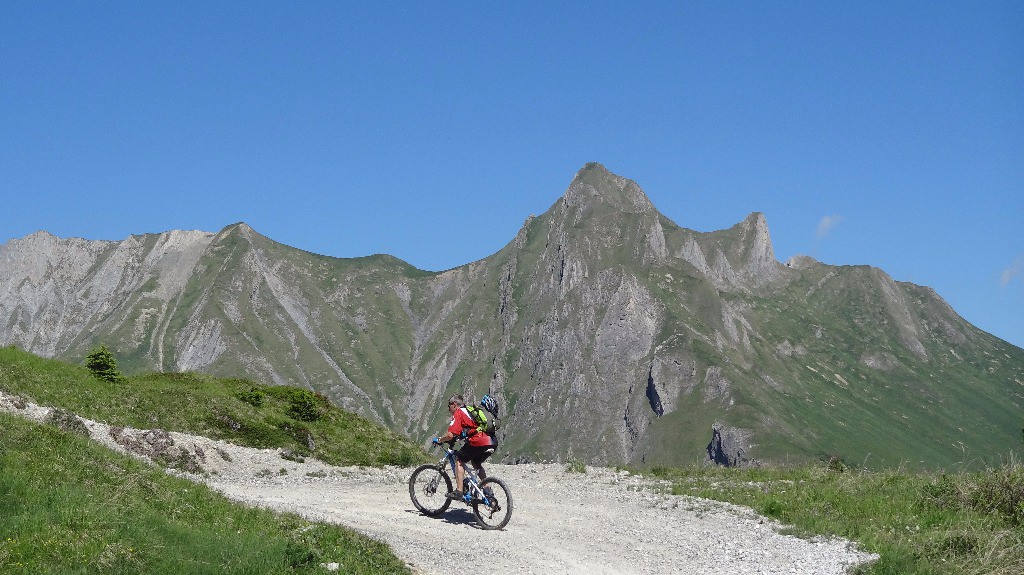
{"type": "Point", "coordinates": [497, 510]}
{"type": "Point", "coordinates": [429, 488]}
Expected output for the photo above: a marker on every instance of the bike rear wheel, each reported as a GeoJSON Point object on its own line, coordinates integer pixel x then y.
{"type": "Point", "coordinates": [429, 487]}
{"type": "Point", "coordinates": [498, 510]}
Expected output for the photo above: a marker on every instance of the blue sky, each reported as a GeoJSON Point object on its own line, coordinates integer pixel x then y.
{"type": "Point", "coordinates": [878, 133]}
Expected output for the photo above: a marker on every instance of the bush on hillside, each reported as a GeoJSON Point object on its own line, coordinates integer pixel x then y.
{"type": "Point", "coordinates": [102, 364]}
{"type": "Point", "coordinates": [304, 405]}
{"type": "Point", "coordinates": [254, 396]}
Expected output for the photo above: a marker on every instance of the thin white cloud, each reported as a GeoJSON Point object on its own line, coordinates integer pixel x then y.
{"type": "Point", "coordinates": [1015, 270]}
{"type": "Point", "coordinates": [826, 224]}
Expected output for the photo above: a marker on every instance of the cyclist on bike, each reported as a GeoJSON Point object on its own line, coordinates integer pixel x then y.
{"type": "Point", "coordinates": [478, 447]}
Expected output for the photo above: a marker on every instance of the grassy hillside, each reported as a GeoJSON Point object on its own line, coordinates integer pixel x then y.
{"type": "Point", "coordinates": [71, 506]}
{"type": "Point", "coordinates": [235, 410]}
{"type": "Point", "coordinates": [821, 366]}
{"type": "Point", "coordinates": [969, 523]}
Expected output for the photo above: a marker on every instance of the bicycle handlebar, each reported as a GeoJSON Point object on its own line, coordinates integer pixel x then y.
{"type": "Point", "coordinates": [449, 446]}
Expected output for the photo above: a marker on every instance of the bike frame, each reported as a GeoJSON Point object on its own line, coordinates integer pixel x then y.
{"type": "Point", "coordinates": [474, 483]}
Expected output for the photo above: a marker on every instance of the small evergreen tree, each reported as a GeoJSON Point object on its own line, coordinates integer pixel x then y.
{"type": "Point", "coordinates": [102, 364]}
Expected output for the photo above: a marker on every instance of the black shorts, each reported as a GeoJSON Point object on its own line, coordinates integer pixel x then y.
{"type": "Point", "coordinates": [476, 454]}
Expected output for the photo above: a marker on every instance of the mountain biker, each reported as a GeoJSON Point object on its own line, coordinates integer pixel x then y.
{"type": "Point", "coordinates": [478, 447]}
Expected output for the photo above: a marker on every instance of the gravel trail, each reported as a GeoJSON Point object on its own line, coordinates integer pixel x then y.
{"type": "Point", "coordinates": [600, 521]}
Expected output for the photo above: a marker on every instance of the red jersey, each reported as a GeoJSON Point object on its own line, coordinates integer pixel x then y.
{"type": "Point", "coordinates": [461, 419]}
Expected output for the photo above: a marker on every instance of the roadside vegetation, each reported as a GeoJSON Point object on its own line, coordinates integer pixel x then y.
{"type": "Point", "coordinates": [918, 522]}
{"type": "Point", "coordinates": [236, 410]}
{"type": "Point", "coordinates": [575, 466]}
{"type": "Point", "coordinates": [71, 506]}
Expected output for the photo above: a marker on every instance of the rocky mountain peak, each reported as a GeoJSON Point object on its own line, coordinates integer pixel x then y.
{"type": "Point", "coordinates": [802, 262]}
{"type": "Point", "coordinates": [759, 256]}
{"type": "Point", "coordinates": [241, 229]}
{"type": "Point", "coordinates": [741, 257]}
{"type": "Point", "coordinates": [41, 235]}
{"type": "Point", "coordinates": [602, 220]}
{"type": "Point", "coordinates": [596, 185]}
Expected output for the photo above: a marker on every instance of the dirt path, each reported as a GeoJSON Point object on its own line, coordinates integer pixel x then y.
{"type": "Point", "coordinates": [597, 522]}
{"type": "Point", "coordinates": [600, 521]}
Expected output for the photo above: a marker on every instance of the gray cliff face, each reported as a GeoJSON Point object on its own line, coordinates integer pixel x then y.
{"type": "Point", "coordinates": [586, 324]}
{"type": "Point", "coordinates": [62, 290]}
{"type": "Point", "coordinates": [607, 333]}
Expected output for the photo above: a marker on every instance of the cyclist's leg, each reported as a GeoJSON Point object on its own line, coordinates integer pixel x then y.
{"type": "Point", "coordinates": [482, 456]}
{"type": "Point", "coordinates": [478, 462]}
{"type": "Point", "coordinates": [461, 457]}
{"type": "Point", "coordinates": [475, 456]}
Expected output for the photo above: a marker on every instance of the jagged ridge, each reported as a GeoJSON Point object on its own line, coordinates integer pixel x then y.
{"type": "Point", "coordinates": [608, 332]}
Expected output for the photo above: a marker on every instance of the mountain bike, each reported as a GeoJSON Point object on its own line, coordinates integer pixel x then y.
{"type": "Point", "coordinates": [430, 484]}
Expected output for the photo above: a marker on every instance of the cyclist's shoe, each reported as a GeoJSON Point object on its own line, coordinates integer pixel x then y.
{"type": "Point", "coordinates": [489, 493]}
{"type": "Point", "coordinates": [454, 495]}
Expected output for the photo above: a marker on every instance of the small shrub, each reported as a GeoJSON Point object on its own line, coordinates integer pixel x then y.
{"type": "Point", "coordinates": [102, 364]}
{"type": "Point", "coordinates": [298, 554]}
{"type": "Point", "coordinates": [575, 466]}
{"type": "Point", "coordinates": [303, 405]}
{"type": "Point", "coordinates": [835, 464]}
{"type": "Point", "coordinates": [660, 471]}
{"type": "Point", "coordinates": [254, 396]}
{"type": "Point", "coordinates": [772, 508]}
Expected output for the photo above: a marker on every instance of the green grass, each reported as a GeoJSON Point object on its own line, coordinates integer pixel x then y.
{"type": "Point", "coordinates": [575, 466]}
{"type": "Point", "coordinates": [291, 418]}
{"type": "Point", "coordinates": [70, 506]}
{"type": "Point", "coordinates": [918, 522]}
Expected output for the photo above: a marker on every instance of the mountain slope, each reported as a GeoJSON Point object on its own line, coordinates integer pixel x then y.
{"type": "Point", "coordinates": [608, 333]}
